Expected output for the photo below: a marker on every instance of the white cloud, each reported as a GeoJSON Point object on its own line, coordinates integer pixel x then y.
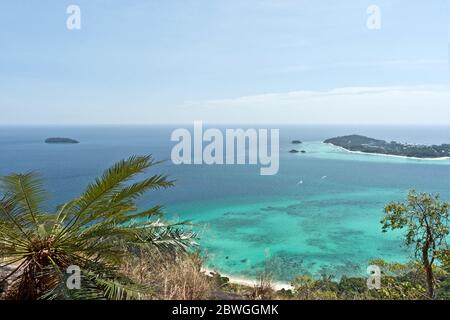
{"type": "Point", "coordinates": [397, 63]}
{"type": "Point", "coordinates": [350, 105]}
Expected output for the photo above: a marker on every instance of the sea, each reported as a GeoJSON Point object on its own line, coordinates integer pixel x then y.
{"type": "Point", "coordinates": [319, 215]}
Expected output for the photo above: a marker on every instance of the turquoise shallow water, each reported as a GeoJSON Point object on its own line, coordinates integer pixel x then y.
{"type": "Point", "coordinates": [247, 222]}
{"type": "Point", "coordinates": [334, 232]}
{"type": "Point", "coordinates": [307, 235]}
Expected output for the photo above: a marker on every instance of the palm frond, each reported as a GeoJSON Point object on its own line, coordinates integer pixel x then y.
{"type": "Point", "coordinates": [96, 231]}
{"type": "Point", "coordinates": [13, 224]}
{"type": "Point", "coordinates": [114, 290]}
{"type": "Point", "coordinates": [28, 192]}
{"type": "Point", "coordinates": [94, 197]}
{"type": "Point", "coordinates": [139, 188]}
{"type": "Point", "coordinates": [167, 238]}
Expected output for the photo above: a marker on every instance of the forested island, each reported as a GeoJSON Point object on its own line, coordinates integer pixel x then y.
{"type": "Point", "coordinates": [60, 140]}
{"type": "Point", "coordinates": [370, 145]}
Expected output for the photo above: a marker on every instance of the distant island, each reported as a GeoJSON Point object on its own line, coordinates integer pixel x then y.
{"type": "Point", "coordinates": [60, 140]}
{"type": "Point", "coordinates": [296, 142]}
{"type": "Point", "coordinates": [296, 151]}
{"type": "Point", "coordinates": [369, 145]}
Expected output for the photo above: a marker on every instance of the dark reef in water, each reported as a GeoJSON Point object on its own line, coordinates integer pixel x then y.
{"type": "Point", "coordinates": [60, 140]}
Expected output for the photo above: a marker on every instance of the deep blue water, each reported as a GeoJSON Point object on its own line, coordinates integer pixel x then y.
{"type": "Point", "coordinates": [251, 220]}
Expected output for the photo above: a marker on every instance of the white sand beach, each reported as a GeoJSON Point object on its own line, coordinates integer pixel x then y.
{"type": "Point", "coordinates": [389, 155]}
{"type": "Point", "coordinates": [246, 281]}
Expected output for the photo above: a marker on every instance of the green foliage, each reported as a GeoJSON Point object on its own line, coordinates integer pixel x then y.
{"type": "Point", "coordinates": [393, 288]}
{"type": "Point", "coordinates": [95, 231]}
{"type": "Point", "coordinates": [425, 218]}
{"type": "Point", "coordinates": [352, 286]}
{"type": "Point", "coordinates": [326, 283]}
{"type": "Point", "coordinates": [398, 282]}
{"type": "Point", "coordinates": [444, 257]}
{"type": "Point", "coordinates": [306, 288]}
{"type": "Point", "coordinates": [443, 291]}
{"type": "Point", "coordinates": [284, 294]}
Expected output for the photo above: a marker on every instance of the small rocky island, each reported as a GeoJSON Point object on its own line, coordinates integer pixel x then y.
{"type": "Point", "coordinates": [296, 151]}
{"type": "Point", "coordinates": [370, 145]}
{"type": "Point", "coordinates": [296, 142]}
{"type": "Point", "coordinates": [60, 140]}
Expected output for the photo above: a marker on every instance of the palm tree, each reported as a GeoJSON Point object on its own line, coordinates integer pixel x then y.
{"type": "Point", "coordinates": [95, 232]}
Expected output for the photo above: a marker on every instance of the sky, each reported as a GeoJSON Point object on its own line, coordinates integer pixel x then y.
{"type": "Point", "coordinates": [224, 61]}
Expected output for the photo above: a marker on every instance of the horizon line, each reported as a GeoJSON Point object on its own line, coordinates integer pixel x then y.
{"type": "Point", "coordinates": [208, 123]}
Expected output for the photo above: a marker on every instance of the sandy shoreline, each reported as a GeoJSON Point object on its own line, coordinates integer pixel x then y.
{"type": "Point", "coordinates": [246, 282]}
{"type": "Point", "coordinates": [389, 155]}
